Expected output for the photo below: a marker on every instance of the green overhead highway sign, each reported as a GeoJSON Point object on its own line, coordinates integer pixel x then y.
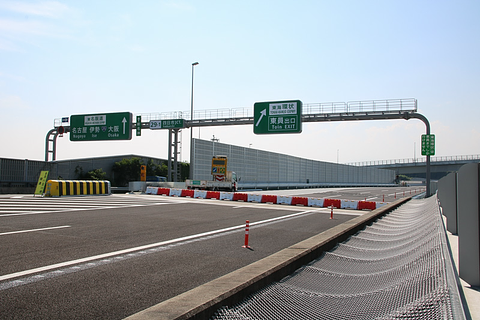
{"type": "Point", "coordinates": [277, 117]}
{"type": "Point", "coordinates": [167, 124]}
{"type": "Point", "coordinates": [102, 126]}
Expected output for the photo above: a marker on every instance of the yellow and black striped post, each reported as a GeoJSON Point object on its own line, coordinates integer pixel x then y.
{"type": "Point", "coordinates": [58, 188]}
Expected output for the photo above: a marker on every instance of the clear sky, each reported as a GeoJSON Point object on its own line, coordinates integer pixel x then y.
{"type": "Point", "coordinates": [59, 58]}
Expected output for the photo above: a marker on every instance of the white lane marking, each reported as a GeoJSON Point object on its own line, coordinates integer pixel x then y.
{"type": "Point", "coordinates": [33, 230]}
{"type": "Point", "coordinates": [66, 209]}
{"type": "Point", "coordinates": [126, 252]}
{"type": "Point", "coordinates": [240, 204]}
{"type": "Point", "coordinates": [48, 204]}
{"type": "Point", "coordinates": [370, 199]}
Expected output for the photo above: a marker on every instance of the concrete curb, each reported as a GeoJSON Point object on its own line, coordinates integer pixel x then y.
{"type": "Point", "coordinates": [203, 301]}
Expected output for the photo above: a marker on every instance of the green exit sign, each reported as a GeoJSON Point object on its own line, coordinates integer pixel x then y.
{"type": "Point", "coordinates": [277, 117]}
{"type": "Point", "coordinates": [428, 144]}
{"type": "Point", "coordinates": [101, 126]}
{"type": "Point", "coordinates": [167, 124]}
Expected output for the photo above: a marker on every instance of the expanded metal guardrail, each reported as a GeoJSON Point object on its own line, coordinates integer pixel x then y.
{"type": "Point", "coordinates": [400, 267]}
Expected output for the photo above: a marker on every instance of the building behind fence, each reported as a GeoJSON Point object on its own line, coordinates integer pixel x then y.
{"type": "Point", "coordinates": [21, 176]}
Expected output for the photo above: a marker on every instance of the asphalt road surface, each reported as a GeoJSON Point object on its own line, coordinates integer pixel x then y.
{"type": "Point", "coordinates": [107, 257]}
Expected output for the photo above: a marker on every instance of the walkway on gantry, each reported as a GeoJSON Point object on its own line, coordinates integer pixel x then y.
{"type": "Point", "coordinates": [311, 112]}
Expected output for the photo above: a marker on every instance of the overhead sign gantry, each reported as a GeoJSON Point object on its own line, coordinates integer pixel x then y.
{"type": "Point", "coordinates": [269, 117]}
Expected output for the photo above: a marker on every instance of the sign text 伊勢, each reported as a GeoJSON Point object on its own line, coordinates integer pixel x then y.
{"type": "Point", "coordinates": [106, 126]}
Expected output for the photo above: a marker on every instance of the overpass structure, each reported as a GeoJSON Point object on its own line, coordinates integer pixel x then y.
{"type": "Point", "coordinates": [315, 112]}
{"type": "Point", "coordinates": [440, 166]}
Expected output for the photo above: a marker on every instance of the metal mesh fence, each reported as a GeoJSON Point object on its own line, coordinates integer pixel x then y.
{"type": "Point", "coordinates": [397, 268]}
{"type": "Point", "coordinates": [22, 171]}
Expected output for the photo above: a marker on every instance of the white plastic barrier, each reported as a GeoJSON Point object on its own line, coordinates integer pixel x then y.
{"type": "Point", "coordinates": [315, 202]}
{"type": "Point", "coordinates": [349, 204]}
{"type": "Point", "coordinates": [176, 192]}
{"type": "Point", "coordinates": [151, 190]}
{"type": "Point", "coordinates": [200, 194]}
{"type": "Point", "coordinates": [226, 195]}
{"type": "Point", "coordinates": [252, 197]}
{"type": "Point", "coordinates": [284, 200]}
{"type": "Point", "coordinates": [380, 204]}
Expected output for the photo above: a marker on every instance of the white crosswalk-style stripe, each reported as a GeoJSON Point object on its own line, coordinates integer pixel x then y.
{"type": "Point", "coordinates": [27, 205]}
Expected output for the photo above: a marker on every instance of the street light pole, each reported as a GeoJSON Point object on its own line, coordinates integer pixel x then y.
{"type": "Point", "coordinates": [191, 128]}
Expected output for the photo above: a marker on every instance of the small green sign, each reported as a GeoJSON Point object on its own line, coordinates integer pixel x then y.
{"type": "Point", "coordinates": [104, 126]}
{"type": "Point", "coordinates": [138, 126]}
{"type": "Point", "coordinates": [428, 144]}
{"type": "Point", "coordinates": [277, 117]}
{"type": "Point", "coordinates": [167, 124]}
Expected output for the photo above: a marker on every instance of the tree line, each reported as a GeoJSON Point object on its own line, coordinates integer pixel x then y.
{"type": "Point", "coordinates": [128, 169]}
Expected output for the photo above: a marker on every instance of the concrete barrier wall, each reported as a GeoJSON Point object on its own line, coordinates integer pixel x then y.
{"type": "Point", "coordinates": [468, 204]}
{"type": "Point", "coordinates": [447, 195]}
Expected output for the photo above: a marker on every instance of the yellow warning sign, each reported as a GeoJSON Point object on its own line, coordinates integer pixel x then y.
{"type": "Point", "coordinates": [42, 180]}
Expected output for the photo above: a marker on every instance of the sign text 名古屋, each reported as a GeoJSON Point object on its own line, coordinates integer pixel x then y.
{"type": "Point", "coordinates": [277, 117]}
{"type": "Point", "coordinates": [105, 126]}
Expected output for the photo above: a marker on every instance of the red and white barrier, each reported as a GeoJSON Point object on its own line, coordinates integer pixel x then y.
{"type": "Point", "coordinates": [264, 198]}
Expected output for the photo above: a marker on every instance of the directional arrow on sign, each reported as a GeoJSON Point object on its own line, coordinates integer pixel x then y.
{"type": "Point", "coordinates": [263, 113]}
{"type": "Point", "coordinates": [124, 121]}
{"type": "Point", "coordinates": [101, 126]}
{"type": "Point", "coordinates": [280, 117]}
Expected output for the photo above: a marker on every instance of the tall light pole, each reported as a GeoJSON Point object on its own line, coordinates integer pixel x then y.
{"type": "Point", "coordinates": [191, 128]}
